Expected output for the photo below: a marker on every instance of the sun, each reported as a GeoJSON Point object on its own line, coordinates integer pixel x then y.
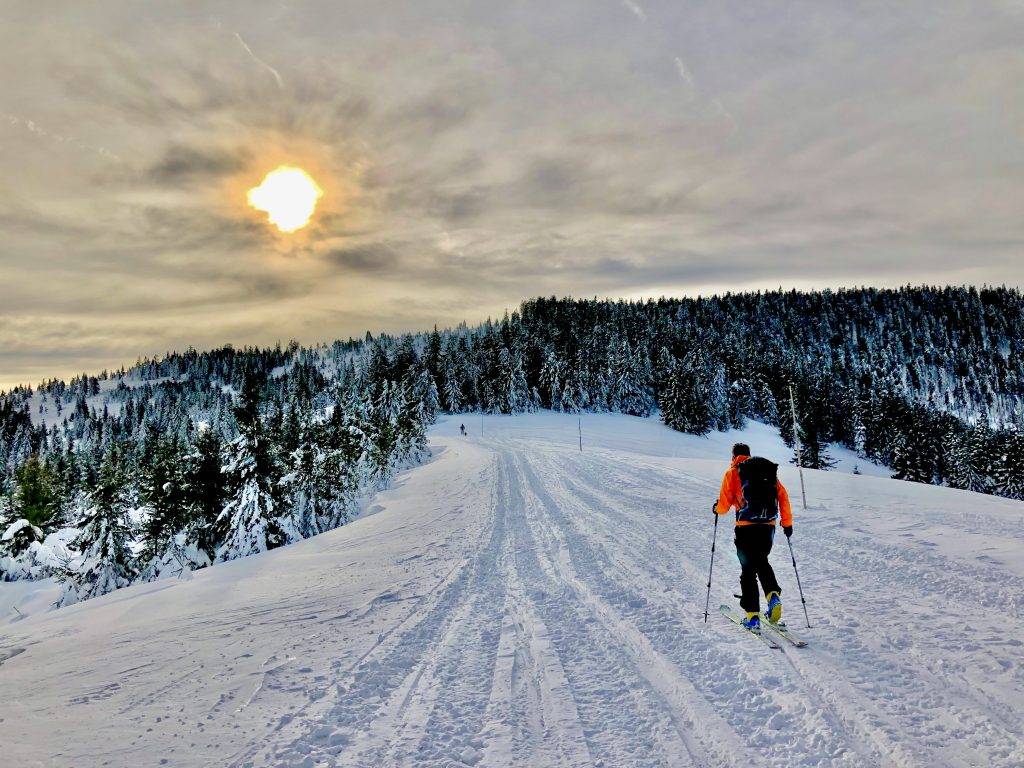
{"type": "Point", "coordinates": [288, 195]}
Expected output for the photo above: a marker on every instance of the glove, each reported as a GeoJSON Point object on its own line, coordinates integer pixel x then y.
{"type": "Point", "coordinates": [788, 530]}
{"type": "Point", "coordinates": [714, 508]}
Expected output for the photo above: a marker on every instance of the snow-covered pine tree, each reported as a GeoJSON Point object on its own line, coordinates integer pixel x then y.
{"type": "Point", "coordinates": [513, 391]}
{"type": "Point", "coordinates": [163, 497]}
{"type": "Point", "coordinates": [105, 562]}
{"type": "Point", "coordinates": [970, 461]}
{"type": "Point", "coordinates": [568, 402]}
{"type": "Point", "coordinates": [810, 410]}
{"type": "Point", "coordinates": [451, 384]}
{"type": "Point", "coordinates": [382, 431]}
{"type": "Point", "coordinates": [6, 513]}
{"type": "Point", "coordinates": [323, 475]}
{"type": "Point", "coordinates": [1010, 472]}
{"type": "Point", "coordinates": [672, 399]}
{"type": "Point", "coordinates": [35, 496]}
{"type": "Point", "coordinates": [412, 430]}
{"type": "Point", "coordinates": [302, 482]}
{"type": "Point", "coordinates": [17, 536]}
{"type": "Point", "coordinates": [550, 379]}
{"type": "Point", "coordinates": [432, 355]}
{"type": "Point", "coordinates": [171, 524]}
{"type": "Point", "coordinates": [630, 392]}
{"type": "Point", "coordinates": [424, 394]}
{"type": "Point", "coordinates": [719, 393]}
{"type": "Point", "coordinates": [21, 444]}
{"type": "Point", "coordinates": [664, 365]}
{"type": "Point", "coordinates": [205, 489]}
{"type": "Point", "coordinates": [344, 469]}
{"type": "Point", "coordinates": [685, 405]}
{"type": "Point", "coordinates": [907, 462]}
{"type": "Point", "coordinates": [738, 397]}
{"type": "Point", "coordinates": [252, 517]}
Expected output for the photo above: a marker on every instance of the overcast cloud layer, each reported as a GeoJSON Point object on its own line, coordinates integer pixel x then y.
{"type": "Point", "coordinates": [474, 154]}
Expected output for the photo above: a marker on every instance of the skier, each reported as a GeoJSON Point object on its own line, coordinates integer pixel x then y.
{"type": "Point", "coordinates": [462, 429]}
{"type": "Point", "coordinates": [751, 487]}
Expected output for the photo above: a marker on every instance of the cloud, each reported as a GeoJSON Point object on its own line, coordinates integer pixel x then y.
{"type": "Point", "coordinates": [183, 164]}
{"type": "Point", "coordinates": [472, 156]}
{"type": "Point", "coordinates": [372, 258]}
{"type": "Point", "coordinates": [460, 207]}
{"type": "Point", "coordinates": [551, 179]}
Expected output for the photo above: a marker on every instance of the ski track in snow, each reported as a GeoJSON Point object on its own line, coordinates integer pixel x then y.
{"type": "Point", "coordinates": [519, 602]}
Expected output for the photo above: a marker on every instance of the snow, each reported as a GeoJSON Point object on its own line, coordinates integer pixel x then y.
{"type": "Point", "coordinates": [21, 599]}
{"type": "Point", "coordinates": [13, 529]}
{"type": "Point", "coordinates": [516, 601]}
{"type": "Point", "coordinates": [40, 559]}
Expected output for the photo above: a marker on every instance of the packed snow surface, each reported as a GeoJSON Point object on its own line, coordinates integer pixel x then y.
{"type": "Point", "coordinates": [519, 602]}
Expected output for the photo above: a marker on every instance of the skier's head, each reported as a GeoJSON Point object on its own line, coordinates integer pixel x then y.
{"type": "Point", "coordinates": [740, 449]}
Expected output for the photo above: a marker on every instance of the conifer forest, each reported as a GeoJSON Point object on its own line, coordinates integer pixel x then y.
{"type": "Point", "coordinates": [180, 462]}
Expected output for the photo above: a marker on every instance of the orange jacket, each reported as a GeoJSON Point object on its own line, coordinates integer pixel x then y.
{"type": "Point", "coordinates": [731, 495]}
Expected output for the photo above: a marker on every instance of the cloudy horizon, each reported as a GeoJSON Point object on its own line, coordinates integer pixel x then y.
{"type": "Point", "coordinates": [472, 156]}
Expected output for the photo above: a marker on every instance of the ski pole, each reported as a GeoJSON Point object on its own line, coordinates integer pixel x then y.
{"type": "Point", "coordinates": [793, 558]}
{"type": "Point", "coordinates": [714, 538]}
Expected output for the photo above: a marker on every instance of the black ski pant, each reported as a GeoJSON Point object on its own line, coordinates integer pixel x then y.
{"type": "Point", "coordinates": [753, 545]}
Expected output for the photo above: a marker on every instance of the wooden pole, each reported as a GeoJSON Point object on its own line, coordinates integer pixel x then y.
{"type": "Point", "coordinates": [579, 426]}
{"type": "Point", "coordinates": [796, 442]}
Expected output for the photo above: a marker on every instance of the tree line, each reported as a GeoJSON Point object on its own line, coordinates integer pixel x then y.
{"type": "Point", "coordinates": [156, 487]}
{"type": "Point", "coordinates": [196, 457]}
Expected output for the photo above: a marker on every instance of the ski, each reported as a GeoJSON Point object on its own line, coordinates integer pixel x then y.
{"type": "Point", "coordinates": [780, 629]}
{"type": "Point", "coordinates": [783, 631]}
{"type": "Point", "coordinates": [731, 616]}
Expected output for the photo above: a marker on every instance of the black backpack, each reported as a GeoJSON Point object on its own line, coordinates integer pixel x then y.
{"type": "Point", "coordinates": [759, 480]}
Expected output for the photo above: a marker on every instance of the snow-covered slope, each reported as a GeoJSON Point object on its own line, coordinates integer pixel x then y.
{"type": "Point", "coordinates": [519, 602]}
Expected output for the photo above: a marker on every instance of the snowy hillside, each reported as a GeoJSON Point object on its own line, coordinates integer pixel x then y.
{"type": "Point", "coordinates": [516, 601]}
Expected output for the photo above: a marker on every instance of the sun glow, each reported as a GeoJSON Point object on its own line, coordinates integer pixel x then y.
{"type": "Point", "coordinates": [288, 196]}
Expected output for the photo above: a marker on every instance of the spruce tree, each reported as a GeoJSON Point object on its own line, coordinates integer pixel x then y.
{"type": "Point", "coordinates": [550, 379]}
{"type": "Point", "coordinates": [252, 517]}
{"type": "Point", "coordinates": [106, 561]}
{"type": "Point", "coordinates": [205, 490]}
{"type": "Point", "coordinates": [383, 432]}
{"type": "Point", "coordinates": [451, 385]}
{"type": "Point", "coordinates": [513, 392]}
{"type": "Point", "coordinates": [425, 395]}
{"type": "Point", "coordinates": [685, 405]}
{"type": "Point", "coordinates": [318, 483]}
{"type": "Point", "coordinates": [905, 460]}
{"type": "Point", "coordinates": [35, 494]}
{"type": "Point", "coordinates": [970, 459]}
{"type": "Point", "coordinates": [164, 498]}
{"type": "Point", "coordinates": [169, 541]}
{"type": "Point", "coordinates": [631, 387]}
{"type": "Point", "coordinates": [1010, 474]}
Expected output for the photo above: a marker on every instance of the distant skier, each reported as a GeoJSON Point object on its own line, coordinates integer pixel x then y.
{"type": "Point", "coordinates": [751, 487]}
{"type": "Point", "coordinates": [462, 429]}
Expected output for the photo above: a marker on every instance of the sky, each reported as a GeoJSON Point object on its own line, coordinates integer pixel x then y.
{"type": "Point", "coordinates": [473, 154]}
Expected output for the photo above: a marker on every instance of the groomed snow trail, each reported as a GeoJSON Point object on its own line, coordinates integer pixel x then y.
{"type": "Point", "coordinates": [519, 602]}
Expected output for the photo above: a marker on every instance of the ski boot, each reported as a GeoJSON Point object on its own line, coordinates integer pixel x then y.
{"type": "Point", "coordinates": [774, 612]}
{"type": "Point", "coordinates": [752, 622]}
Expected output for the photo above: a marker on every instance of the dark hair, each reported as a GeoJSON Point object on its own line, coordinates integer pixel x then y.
{"type": "Point", "coordinates": [741, 449]}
